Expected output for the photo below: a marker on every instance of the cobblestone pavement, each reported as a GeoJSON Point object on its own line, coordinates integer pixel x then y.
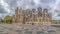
{"type": "Point", "coordinates": [28, 29]}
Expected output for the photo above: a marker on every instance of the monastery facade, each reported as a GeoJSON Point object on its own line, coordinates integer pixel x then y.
{"type": "Point", "coordinates": [32, 16]}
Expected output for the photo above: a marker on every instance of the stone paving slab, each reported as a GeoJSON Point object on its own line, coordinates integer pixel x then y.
{"type": "Point", "coordinates": [27, 29]}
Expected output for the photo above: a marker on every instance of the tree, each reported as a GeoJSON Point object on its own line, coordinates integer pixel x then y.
{"type": "Point", "coordinates": [8, 19]}
{"type": "Point", "coordinates": [1, 19]}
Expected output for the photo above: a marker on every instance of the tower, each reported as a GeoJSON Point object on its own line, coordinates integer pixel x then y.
{"type": "Point", "coordinates": [33, 16]}
{"type": "Point", "coordinates": [16, 15]}
{"type": "Point", "coordinates": [40, 16]}
{"type": "Point", "coordinates": [27, 16]}
{"type": "Point", "coordinates": [46, 17]}
{"type": "Point", "coordinates": [20, 16]}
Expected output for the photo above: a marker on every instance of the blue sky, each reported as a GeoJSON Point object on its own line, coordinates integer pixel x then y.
{"type": "Point", "coordinates": [7, 7]}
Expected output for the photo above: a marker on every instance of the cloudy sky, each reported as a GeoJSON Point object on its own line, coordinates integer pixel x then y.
{"type": "Point", "coordinates": [7, 7]}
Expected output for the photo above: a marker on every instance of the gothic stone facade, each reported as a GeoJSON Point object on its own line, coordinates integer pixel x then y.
{"type": "Point", "coordinates": [39, 16]}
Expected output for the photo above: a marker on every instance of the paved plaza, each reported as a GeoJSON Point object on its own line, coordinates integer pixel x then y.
{"type": "Point", "coordinates": [28, 29]}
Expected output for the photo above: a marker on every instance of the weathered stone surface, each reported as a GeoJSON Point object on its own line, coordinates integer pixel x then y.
{"type": "Point", "coordinates": [28, 29]}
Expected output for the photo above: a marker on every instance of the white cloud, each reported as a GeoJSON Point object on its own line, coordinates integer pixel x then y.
{"type": "Point", "coordinates": [53, 4]}
{"type": "Point", "coordinates": [5, 5]}
{"type": "Point", "coordinates": [55, 7]}
{"type": "Point", "coordinates": [37, 2]}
